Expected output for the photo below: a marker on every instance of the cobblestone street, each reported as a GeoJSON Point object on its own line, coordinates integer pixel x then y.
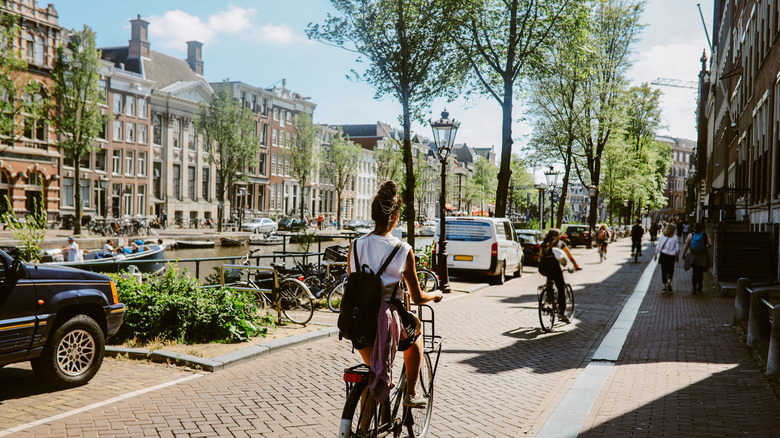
{"type": "Point", "coordinates": [499, 375]}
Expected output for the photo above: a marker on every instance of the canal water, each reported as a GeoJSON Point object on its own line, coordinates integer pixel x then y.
{"type": "Point", "coordinates": [235, 253]}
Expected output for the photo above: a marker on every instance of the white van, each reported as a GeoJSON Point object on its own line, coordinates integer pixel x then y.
{"type": "Point", "coordinates": [482, 245]}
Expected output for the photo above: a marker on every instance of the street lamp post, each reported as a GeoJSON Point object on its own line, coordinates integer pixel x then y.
{"type": "Point", "coordinates": [444, 131]}
{"type": "Point", "coordinates": [552, 178]}
{"type": "Point", "coordinates": [541, 187]}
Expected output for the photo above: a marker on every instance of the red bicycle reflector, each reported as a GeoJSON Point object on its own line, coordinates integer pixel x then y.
{"type": "Point", "coordinates": [352, 378]}
{"type": "Point", "coordinates": [300, 278]}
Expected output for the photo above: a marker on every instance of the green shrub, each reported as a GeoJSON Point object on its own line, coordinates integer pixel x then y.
{"type": "Point", "coordinates": [173, 306]}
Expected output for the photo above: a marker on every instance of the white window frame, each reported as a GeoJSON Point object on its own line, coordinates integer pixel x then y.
{"type": "Point", "coordinates": [142, 163]}
{"type": "Point", "coordinates": [130, 132]}
{"type": "Point", "coordinates": [129, 162]}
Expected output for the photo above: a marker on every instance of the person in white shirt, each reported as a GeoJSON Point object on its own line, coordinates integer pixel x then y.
{"type": "Point", "coordinates": [108, 249]}
{"type": "Point", "coordinates": [669, 251]}
{"type": "Point", "coordinates": [72, 250]}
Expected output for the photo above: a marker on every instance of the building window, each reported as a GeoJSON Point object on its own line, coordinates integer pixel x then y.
{"type": "Point", "coordinates": [191, 183]}
{"type": "Point", "coordinates": [272, 197]}
{"type": "Point", "coordinates": [264, 134]}
{"type": "Point", "coordinates": [130, 106]}
{"type": "Point", "coordinates": [273, 164]}
{"type": "Point", "coordinates": [130, 128]}
{"type": "Point", "coordinates": [117, 98]}
{"type": "Point", "coordinates": [39, 52]}
{"type": "Point", "coordinates": [177, 181]}
{"type": "Point", "coordinates": [129, 162]}
{"type": "Point", "coordinates": [116, 163]}
{"type": "Point", "coordinates": [157, 180]}
{"type": "Point", "coordinates": [177, 140]}
{"type": "Point", "coordinates": [142, 108]}
{"type": "Point", "coordinates": [143, 135]}
{"type": "Point", "coordinates": [206, 184]}
{"type": "Point", "coordinates": [157, 129]}
{"type": "Point", "coordinates": [275, 137]}
{"type": "Point", "coordinates": [141, 206]}
{"type": "Point", "coordinates": [117, 130]}
{"type": "Point", "coordinates": [193, 138]}
{"type": "Point", "coordinates": [128, 200]}
{"type": "Point", "coordinates": [141, 163]}
{"type": "Point", "coordinates": [84, 189]}
{"type": "Point", "coordinates": [276, 114]}
{"type": "Point", "coordinates": [264, 107]}
{"type": "Point", "coordinates": [261, 165]}
{"type": "Point", "coordinates": [67, 192]}
{"type": "Point", "coordinates": [281, 118]}
{"type": "Point", "coordinates": [100, 159]}
{"type": "Point", "coordinates": [103, 131]}
{"type": "Point", "coordinates": [288, 116]}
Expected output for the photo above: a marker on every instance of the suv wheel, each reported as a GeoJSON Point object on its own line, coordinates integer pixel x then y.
{"type": "Point", "coordinates": [501, 277]}
{"type": "Point", "coordinates": [72, 354]}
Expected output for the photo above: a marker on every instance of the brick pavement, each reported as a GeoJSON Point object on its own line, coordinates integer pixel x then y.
{"type": "Point", "coordinates": [685, 372]}
{"type": "Point", "coordinates": [499, 375]}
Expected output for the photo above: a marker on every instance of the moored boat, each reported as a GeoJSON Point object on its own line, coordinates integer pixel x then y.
{"type": "Point", "coordinates": [228, 241]}
{"type": "Point", "coordinates": [269, 239]}
{"type": "Point", "coordinates": [94, 261]}
{"type": "Point", "coordinates": [193, 244]}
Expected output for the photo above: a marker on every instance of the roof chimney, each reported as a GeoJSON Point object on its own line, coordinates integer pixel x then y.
{"type": "Point", "coordinates": [139, 42]}
{"type": "Point", "coordinates": [194, 51]}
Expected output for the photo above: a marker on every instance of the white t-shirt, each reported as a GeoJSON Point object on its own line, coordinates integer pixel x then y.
{"type": "Point", "coordinates": [73, 252]}
{"type": "Point", "coordinates": [372, 250]}
{"type": "Point", "coordinates": [667, 245]}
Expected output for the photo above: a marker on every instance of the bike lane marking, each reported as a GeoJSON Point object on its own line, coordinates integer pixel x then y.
{"type": "Point", "coordinates": [53, 418]}
{"type": "Point", "coordinates": [569, 416]}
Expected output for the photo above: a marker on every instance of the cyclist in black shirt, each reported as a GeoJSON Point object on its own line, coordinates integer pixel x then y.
{"type": "Point", "coordinates": [636, 238]}
{"type": "Point", "coordinates": [550, 267]}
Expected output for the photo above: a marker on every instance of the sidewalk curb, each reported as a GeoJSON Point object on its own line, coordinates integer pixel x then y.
{"type": "Point", "coordinates": [474, 288]}
{"type": "Point", "coordinates": [226, 360]}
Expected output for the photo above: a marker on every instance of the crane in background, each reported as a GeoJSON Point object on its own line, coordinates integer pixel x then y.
{"type": "Point", "coordinates": [664, 82]}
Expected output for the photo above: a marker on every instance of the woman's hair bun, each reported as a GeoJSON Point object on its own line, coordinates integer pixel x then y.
{"type": "Point", "coordinates": [388, 189]}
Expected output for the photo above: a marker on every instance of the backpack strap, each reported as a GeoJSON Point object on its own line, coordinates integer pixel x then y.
{"type": "Point", "coordinates": [389, 259]}
{"type": "Point", "coordinates": [354, 252]}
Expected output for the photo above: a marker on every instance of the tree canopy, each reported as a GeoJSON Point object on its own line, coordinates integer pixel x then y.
{"type": "Point", "coordinates": [302, 152]}
{"type": "Point", "coordinates": [76, 110]}
{"type": "Point", "coordinates": [342, 158]}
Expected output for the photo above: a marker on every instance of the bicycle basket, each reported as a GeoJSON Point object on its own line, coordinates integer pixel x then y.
{"type": "Point", "coordinates": [336, 253]}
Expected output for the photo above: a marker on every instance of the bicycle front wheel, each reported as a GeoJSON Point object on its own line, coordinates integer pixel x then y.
{"type": "Point", "coordinates": [428, 280]}
{"type": "Point", "coordinates": [296, 301]}
{"type": "Point", "coordinates": [335, 296]}
{"type": "Point", "coordinates": [419, 419]}
{"type": "Point", "coordinates": [547, 309]}
{"type": "Point", "coordinates": [569, 311]}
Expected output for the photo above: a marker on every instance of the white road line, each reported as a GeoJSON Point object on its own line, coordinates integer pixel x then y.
{"type": "Point", "coordinates": [96, 405]}
{"type": "Point", "coordinates": [569, 416]}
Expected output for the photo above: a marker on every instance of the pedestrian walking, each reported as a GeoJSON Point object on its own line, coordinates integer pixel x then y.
{"type": "Point", "coordinates": [685, 231]}
{"type": "Point", "coordinates": [666, 252]}
{"type": "Point", "coordinates": [163, 219]}
{"type": "Point", "coordinates": [696, 256]}
{"type": "Point", "coordinates": [319, 221]}
{"type": "Point", "coordinates": [679, 226]}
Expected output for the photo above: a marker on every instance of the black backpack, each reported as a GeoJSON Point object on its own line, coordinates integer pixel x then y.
{"type": "Point", "coordinates": [360, 304]}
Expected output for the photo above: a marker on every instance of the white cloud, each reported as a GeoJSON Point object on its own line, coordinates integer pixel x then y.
{"type": "Point", "coordinates": [174, 28]}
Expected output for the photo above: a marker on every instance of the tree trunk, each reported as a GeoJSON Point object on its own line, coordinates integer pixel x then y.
{"type": "Point", "coordinates": [221, 204]}
{"type": "Point", "coordinates": [505, 172]}
{"type": "Point", "coordinates": [339, 225]}
{"type": "Point", "coordinates": [409, 192]}
{"type": "Point", "coordinates": [303, 201]}
{"type": "Point", "coordinates": [77, 194]}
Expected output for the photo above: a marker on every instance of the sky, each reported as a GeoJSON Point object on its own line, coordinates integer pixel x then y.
{"type": "Point", "coordinates": [261, 42]}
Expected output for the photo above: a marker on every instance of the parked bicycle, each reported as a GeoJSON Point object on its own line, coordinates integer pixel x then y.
{"type": "Point", "coordinates": [287, 295]}
{"type": "Point", "coordinates": [363, 417]}
{"type": "Point", "coordinates": [331, 284]}
{"type": "Point", "coordinates": [548, 303]}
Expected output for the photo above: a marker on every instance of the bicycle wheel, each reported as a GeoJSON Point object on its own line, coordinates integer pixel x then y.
{"type": "Point", "coordinates": [260, 300]}
{"type": "Point", "coordinates": [428, 280]}
{"type": "Point", "coordinates": [419, 419]}
{"type": "Point", "coordinates": [335, 296]}
{"type": "Point", "coordinates": [316, 285]}
{"type": "Point", "coordinates": [359, 418]}
{"type": "Point", "coordinates": [296, 301]}
{"type": "Point", "coordinates": [546, 308]}
{"type": "Point", "coordinates": [569, 311]}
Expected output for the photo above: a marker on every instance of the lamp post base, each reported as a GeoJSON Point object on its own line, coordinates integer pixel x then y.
{"type": "Point", "coordinates": [444, 277]}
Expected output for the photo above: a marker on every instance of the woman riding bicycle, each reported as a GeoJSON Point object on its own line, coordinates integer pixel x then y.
{"type": "Point", "coordinates": [372, 249]}
{"type": "Point", "coordinates": [602, 239]}
{"type": "Point", "coordinates": [550, 267]}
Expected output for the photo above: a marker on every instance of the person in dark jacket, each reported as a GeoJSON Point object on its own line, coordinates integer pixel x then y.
{"type": "Point", "coordinates": [636, 238]}
{"type": "Point", "coordinates": [552, 268]}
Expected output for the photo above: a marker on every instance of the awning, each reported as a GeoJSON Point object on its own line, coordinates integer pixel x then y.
{"type": "Point", "coordinates": [449, 206]}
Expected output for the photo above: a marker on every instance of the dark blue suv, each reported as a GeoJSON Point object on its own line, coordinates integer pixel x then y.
{"type": "Point", "coordinates": [57, 318]}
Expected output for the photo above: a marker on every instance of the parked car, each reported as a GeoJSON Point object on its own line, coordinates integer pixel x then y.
{"type": "Point", "coordinates": [45, 311]}
{"type": "Point", "coordinates": [429, 228]}
{"type": "Point", "coordinates": [292, 224]}
{"type": "Point", "coordinates": [530, 240]}
{"type": "Point", "coordinates": [354, 224]}
{"type": "Point", "coordinates": [260, 225]}
{"type": "Point", "coordinates": [482, 245]}
{"type": "Point", "coordinates": [578, 235]}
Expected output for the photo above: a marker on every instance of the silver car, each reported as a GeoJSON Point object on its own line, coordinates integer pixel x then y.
{"type": "Point", "coordinates": [260, 225]}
